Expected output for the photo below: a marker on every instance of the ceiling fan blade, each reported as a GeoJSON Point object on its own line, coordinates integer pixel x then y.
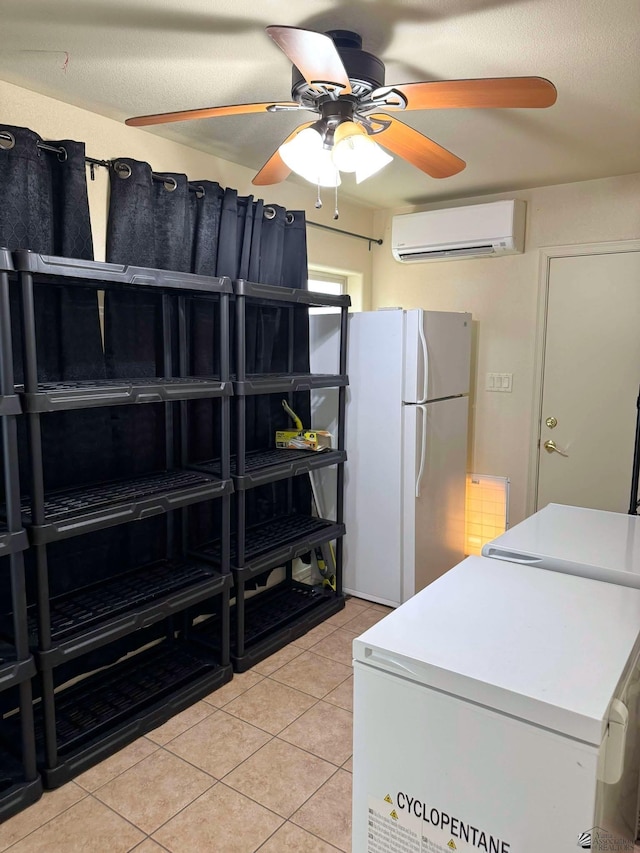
{"type": "Point", "coordinates": [417, 149]}
{"type": "Point", "coordinates": [491, 92]}
{"type": "Point", "coordinates": [314, 55]}
{"type": "Point", "coordinates": [212, 112]}
{"type": "Point", "coordinates": [275, 169]}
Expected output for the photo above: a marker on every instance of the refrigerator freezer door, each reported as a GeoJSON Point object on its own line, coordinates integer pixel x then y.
{"type": "Point", "coordinates": [427, 765]}
{"type": "Point", "coordinates": [433, 514]}
{"type": "Point", "coordinates": [541, 646]}
{"type": "Point", "coordinates": [447, 336]}
{"type": "Point", "coordinates": [591, 543]}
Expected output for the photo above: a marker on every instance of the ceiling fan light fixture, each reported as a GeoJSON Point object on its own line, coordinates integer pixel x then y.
{"type": "Point", "coordinates": [306, 155]}
{"type": "Point", "coordinates": [355, 151]}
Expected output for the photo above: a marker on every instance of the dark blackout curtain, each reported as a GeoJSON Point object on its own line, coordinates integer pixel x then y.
{"type": "Point", "coordinates": [199, 227]}
{"type": "Point", "coordinates": [44, 207]}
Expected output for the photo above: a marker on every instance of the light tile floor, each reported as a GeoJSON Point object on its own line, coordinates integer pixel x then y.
{"type": "Point", "coordinates": [263, 764]}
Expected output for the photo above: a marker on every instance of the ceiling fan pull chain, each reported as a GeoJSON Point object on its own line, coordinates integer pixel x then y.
{"type": "Point", "coordinates": [336, 212]}
{"type": "Point", "coordinates": [318, 199]}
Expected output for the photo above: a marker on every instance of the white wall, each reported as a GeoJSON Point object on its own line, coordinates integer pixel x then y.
{"type": "Point", "coordinates": [108, 139]}
{"type": "Point", "coordinates": [502, 295]}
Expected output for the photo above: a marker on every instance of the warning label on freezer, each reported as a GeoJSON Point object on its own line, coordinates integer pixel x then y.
{"type": "Point", "coordinates": [387, 832]}
{"type": "Point", "coordinates": [401, 824]}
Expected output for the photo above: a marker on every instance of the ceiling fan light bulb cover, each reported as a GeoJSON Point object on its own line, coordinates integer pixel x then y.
{"type": "Point", "coordinates": [371, 161]}
{"type": "Point", "coordinates": [350, 143]}
{"type": "Point", "coordinates": [299, 151]}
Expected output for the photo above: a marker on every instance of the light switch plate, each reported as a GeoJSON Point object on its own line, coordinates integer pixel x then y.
{"type": "Point", "coordinates": [499, 382]}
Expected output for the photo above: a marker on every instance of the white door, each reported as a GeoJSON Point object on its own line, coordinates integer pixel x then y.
{"type": "Point", "coordinates": [590, 381]}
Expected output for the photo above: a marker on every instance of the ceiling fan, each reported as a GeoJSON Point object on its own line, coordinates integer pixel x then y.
{"type": "Point", "coordinates": [344, 85]}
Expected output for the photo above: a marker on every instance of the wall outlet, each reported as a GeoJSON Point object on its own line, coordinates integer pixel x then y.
{"type": "Point", "coordinates": [499, 382]}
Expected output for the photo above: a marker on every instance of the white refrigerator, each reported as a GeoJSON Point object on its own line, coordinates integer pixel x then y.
{"type": "Point", "coordinates": [406, 443]}
{"type": "Point", "coordinates": [497, 711]}
{"type": "Point", "coordinates": [591, 543]}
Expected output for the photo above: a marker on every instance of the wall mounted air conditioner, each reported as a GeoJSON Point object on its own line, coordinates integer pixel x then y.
{"type": "Point", "coordinates": [477, 230]}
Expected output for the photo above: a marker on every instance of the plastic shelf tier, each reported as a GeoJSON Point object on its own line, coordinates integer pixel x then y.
{"type": "Point", "coordinates": [268, 466]}
{"type": "Point", "coordinates": [76, 511]}
{"type": "Point", "coordinates": [275, 542]}
{"type": "Point", "coordinates": [99, 614]}
{"type": "Point", "coordinates": [51, 397]}
{"type": "Point", "coordinates": [60, 396]}
{"type": "Point", "coordinates": [103, 712]}
{"type": "Point", "coordinates": [269, 621]}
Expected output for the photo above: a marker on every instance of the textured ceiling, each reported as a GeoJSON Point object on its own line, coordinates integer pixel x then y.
{"type": "Point", "coordinates": [129, 57]}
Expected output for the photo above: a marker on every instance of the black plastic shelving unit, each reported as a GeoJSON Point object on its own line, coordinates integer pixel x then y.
{"type": "Point", "coordinates": [79, 720]}
{"type": "Point", "coordinates": [265, 622]}
{"type": "Point", "coordinates": [20, 783]}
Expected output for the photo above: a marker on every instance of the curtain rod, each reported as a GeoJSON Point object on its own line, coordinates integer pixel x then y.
{"type": "Point", "coordinates": [369, 240]}
{"type": "Point", "coordinates": [61, 151]}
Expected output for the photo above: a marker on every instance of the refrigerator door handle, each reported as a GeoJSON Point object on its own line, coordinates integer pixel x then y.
{"type": "Point", "coordinates": [425, 360]}
{"type": "Point", "coordinates": [423, 447]}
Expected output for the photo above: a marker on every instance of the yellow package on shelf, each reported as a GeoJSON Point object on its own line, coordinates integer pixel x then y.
{"type": "Point", "coordinates": [308, 439]}
{"type": "Point", "coordinates": [299, 438]}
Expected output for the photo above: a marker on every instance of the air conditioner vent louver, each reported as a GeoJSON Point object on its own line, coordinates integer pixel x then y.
{"type": "Point", "coordinates": [479, 230]}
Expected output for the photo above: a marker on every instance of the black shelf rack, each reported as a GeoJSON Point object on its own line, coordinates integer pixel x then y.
{"type": "Point", "coordinates": [263, 623]}
{"type": "Point", "coordinates": [82, 719]}
{"type": "Point", "coordinates": [20, 783]}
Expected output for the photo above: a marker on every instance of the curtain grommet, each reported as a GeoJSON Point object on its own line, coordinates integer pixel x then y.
{"type": "Point", "coordinates": [170, 184]}
{"type": "Point", "coordinates": [269, 213]}
{"type": "Point", "coordinates": [200, 191]}
{"type": "Point", "coordinates": [62, 154]}
{"type": "Point", "coordinates": [290, 219]}
{"type": "Point", "coordinates": [7, 140]}
{"type": "Point", "coordinates": [122, 170]}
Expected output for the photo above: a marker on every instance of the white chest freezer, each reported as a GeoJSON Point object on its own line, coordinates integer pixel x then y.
{"type": "Point", "coordinates": [496, 711]}
{"type": "Point", "coordinates": [591, 543]}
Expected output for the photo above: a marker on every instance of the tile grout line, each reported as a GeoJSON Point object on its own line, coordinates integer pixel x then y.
{"type": "Point", "coordinates": [149, 838]}
{"type": "Point", "coordinates": [122, 817]}
{"type": "Point", "coordinates": [337, 770]}
{"type": "Point", "coordinates": [158, 828]}
{"type": "Point", "coordinates": [117, 776]}
{"type": "Point", "coordinates": [312, 834]}
{"type": "Point", "coordinates": [324, 659]}
{"type": "Point", "coordinates": [86, 794]}
{"type": "Point", "coordinates": [272, 734]}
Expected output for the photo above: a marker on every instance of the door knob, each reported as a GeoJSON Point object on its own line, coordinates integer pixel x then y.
{"type": "Point", "coordinates": [550, 447]}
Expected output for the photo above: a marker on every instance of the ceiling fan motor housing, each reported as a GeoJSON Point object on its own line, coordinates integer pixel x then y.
{"type": "Point", "coordinates": [364, 70]}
